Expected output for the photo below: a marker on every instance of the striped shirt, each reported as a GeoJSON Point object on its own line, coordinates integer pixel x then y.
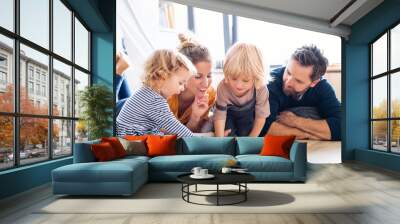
{"type": "Point", "coordinates": [147, 112]}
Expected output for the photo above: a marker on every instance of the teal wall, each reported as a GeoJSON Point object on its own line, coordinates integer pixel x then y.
{"type": "Point", "coordinates": [99, 16]}
{"type": "Point", "coordinates": [356, 84]}
{"type": "Point", "coordinates": [24, 178]}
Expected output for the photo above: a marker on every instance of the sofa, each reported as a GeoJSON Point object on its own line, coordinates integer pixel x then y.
{"type": "Point", "coordinates": [126, 175]}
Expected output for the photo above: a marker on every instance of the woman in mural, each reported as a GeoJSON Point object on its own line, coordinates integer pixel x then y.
{"type": "Point", "coordinates": [192, 106]}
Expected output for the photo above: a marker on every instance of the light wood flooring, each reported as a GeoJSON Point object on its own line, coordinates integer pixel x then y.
{"type": "Point", "coordinates": [377, 188]}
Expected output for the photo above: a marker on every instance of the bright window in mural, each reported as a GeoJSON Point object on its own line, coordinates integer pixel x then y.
{"type": "Point", "coordinates": [385, 95]}
{"type": "Point", "coordinates": [39, 124]}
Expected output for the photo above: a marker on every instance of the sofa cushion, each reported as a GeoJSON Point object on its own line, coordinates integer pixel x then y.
{"type": "Point", "coordinates": [249, 145]}
{"type": "Point", "coordinates": [103, 152]}
{"type": "Point", "coordinates": [116, 145]}
{"type": "Point", "coordinates": [207, 145]}
{"type": "Point", "coordinates": [161, 145]}
{"type": "Point", "coordinates": [257, 163]}
{"type": "Point", "coordinates": [134, 147]}
{"type": "Point", "coordinates": [83, 152]}
{"type": "Point", "coordinates": [185, 163]}
{"type": "Point", "coordinates": [112, 171]}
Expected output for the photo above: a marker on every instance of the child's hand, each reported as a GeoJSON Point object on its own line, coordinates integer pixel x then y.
{"type": "Point", "coordinates": [200, 105]}
{"type": "Point", "coordinates": [227, 132]}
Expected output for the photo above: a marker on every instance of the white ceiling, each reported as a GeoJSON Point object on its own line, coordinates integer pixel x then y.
{"type": "Point", "coordinates": [315, 15]}
{"type": "Point", "coordinates": [321, 9]}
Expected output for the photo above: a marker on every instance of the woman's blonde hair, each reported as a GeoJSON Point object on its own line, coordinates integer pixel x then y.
{"type": "Point", "coordinates": [194, 51]}
{"type": "Point", "coordinates": [245, 59]}
{"type": "Point", "coordinates": [162, 64]}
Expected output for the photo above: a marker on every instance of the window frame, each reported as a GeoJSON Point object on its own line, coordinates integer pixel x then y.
{"type": "Point", "coordinates": [16, 115]}
{"type": "Point", "coordinates": [388, 74]}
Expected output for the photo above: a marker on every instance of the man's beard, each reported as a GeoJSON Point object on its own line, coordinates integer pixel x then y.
{"type": "Point", "coordinates": [293, 94]}
{"type": "Point", "coordinates": [289, 92]}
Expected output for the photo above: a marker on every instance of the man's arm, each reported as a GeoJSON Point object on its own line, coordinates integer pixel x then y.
{"type": "Point", "coordinates": [328, 106]}
{"type": "Point", "coordinates": [277, 128]}
{"type": "Point", "coordinates": [318, 128]}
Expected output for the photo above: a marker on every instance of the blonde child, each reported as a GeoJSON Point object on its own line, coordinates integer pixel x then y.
{"type": "Point", "coordinates": [242, 96]}
{"type": "Point", "coordinates": [147, 110]}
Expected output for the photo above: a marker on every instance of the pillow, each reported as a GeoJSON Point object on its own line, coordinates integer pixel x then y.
{"type": "Point", "coordinates": [103, 151]}
{"type": "Point", "coordinates": [136, 137]}
{"type": "Point", "coordinates": [116, 145]}
{"type": "Point", "coordinates": [277, 145]}
{"type": "Point", "coordinates": [135, 147]}
{"type": "Point", "coordinates": [161, 145]}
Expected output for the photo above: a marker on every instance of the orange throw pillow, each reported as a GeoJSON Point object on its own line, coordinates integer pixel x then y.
{"type": "Point", "coordinates": [116, 145]}
{"type": "Point", "coordinates": [103, 152]}
{"type": "Point", "coordinates": [136, 137]}
{"type": "Point", "coordinates": [161, 145]}
{"type": "Point", "coordinates": [277, 146]}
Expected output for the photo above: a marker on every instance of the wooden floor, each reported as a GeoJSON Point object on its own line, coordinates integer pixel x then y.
{"type": "Point", "coordinates": [377, 188]}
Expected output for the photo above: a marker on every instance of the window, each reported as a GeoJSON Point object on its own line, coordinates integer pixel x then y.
{"type": "Point", "coordinates": [46, 131]}
{"type": "Point", "coordinates": [81, 81]}
{"type": "Point", "coordinates": [203, 29]}
{"type": "Point", "coordinates": [385, 97]}
{"type": "Point", "coordinates": [3, 78]}
{"type": "Point", "coordinates": [62, 31]}
{"type": "Point", "coordinates": [3, 61]}
{"type": "Point", "coordinates": [62, 137]}
{"type": "Point", "coordinates": [173, 15]}
{"type": "Point", "coordinates": [81, 45]}
{"type": "Point", "coordinates": [6, 73]}
{"type": "Point", "coordinates": [34, 21]}
{"type": "Point", "coordinates": [37, 89]}
{"type": "Point", "coordinates": [62, 74]}
{"type": "Point", "coordinates": [44, 91]}
{"type": "Point", "coordinates": [37, 74]}
{"type": "Point", "coordinates": [7, 14]}
{"type": "Point", "coordinates": [30, 72]}
{"type": "Point", "coordinates": [30, 87]}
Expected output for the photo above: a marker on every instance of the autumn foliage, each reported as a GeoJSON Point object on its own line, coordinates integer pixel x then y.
{"type": "Point", "coordinates": [33, 131]}
{"type": "Point", "coordinates": [380, 127]}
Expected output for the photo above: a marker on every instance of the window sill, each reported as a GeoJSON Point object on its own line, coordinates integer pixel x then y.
{"type": "Point", "coordinates": [30, 166]}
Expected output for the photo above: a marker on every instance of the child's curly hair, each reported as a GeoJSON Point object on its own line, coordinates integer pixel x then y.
{"type": "Point", "coordinates": [162, 64]}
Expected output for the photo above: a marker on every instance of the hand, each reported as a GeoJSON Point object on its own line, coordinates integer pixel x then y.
{"type": "Point", "coordinates": [199, 106]}
{"type": "Point", "coordinates": [121, 63]}
{"type": "Point", "coordinates": [227, 132]}
{"type": "Point", "coordinates": [288, 118]}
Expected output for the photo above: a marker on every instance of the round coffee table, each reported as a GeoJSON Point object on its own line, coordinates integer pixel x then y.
{"type": "Point", "coordinates": [238, 179]}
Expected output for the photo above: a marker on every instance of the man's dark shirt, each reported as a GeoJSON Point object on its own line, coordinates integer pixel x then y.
{"type": "Point", "coordinates": [322, 96]}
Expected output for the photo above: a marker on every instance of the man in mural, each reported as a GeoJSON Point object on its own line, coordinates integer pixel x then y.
{"type": "Point", "coordinates": [302, 103]}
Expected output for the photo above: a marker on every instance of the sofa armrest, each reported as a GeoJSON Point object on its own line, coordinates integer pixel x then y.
{"type": "Point", "coordinates": [83, 152]}
{"type": "Point", "coordinates": [298, 155]}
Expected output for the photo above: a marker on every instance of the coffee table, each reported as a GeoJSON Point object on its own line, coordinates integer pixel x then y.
{"type": "Point", "coordinates": [238, 179]}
